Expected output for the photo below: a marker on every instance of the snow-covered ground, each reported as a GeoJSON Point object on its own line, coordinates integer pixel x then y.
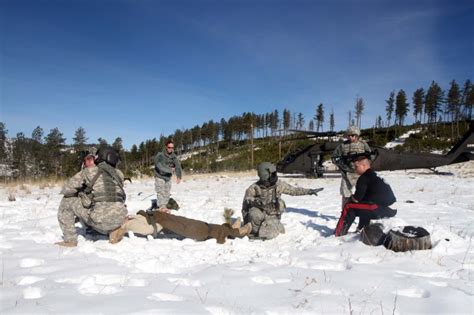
{"type": "Point", "coordinates": [306, 270]}
{"type": "Point", "coordinates": [401, 140]}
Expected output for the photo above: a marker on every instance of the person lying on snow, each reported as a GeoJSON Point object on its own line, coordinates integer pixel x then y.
{"type": "Point", "coordinates": [151, 223]}
{"type": "Point", "coordinates": [371, 199]}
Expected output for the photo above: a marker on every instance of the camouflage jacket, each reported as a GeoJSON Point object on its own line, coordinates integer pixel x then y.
{"type": "Point", "coordinates": [269, 199]}
{"type": "Point", "coordinates": [344, 150]}
{"type": "Point", "coordinates": [106, 194]}
{"type": "Point", "coordinates": [164, 163]}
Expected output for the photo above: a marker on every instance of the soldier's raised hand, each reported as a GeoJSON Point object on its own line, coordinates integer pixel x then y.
{"type": "Point", "coordinates": [315, 191]}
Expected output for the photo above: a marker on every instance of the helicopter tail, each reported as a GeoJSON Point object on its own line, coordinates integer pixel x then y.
{"type": "Point", "coordinates": [463, 150]}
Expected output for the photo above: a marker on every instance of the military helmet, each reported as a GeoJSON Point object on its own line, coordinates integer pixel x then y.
{"type": "Point", "coordinates": [108, 155]}
{"type": "Point", "coordinates": [89, 152]}
{"type": "Point", "coordinates": [265, 170]}
{"type": "Point", "coordinates": [353, 130]}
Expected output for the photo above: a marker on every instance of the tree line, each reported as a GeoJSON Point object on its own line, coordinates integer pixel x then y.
{"type": "Point", "coordinates": [48, 155]}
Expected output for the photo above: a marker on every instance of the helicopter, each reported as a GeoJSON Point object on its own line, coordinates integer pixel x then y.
{"type": "Point", "coordinates": [309, 160]}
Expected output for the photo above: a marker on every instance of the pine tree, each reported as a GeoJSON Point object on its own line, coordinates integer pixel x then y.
{"type": "Point", "coordinates": [319, 117]}
{"type": "Point", "coordinates": [468, 99]}
{"type": "Point", "coordinates": [275, 121]}
{"type": "Point", "coordinates": [331, 121]}
{"type": "Point", "coordinates": [102, 143]}
{"type": "Point", "coordinates": [117, 145]}
{"type": "Point", "coordinates": [453, 106]}
{"type": "Point", "coordinates": [401, 107]}
{"type": "Point", "coordinates": [79, 139]}
{"type": "Point", "coordinates": [286, 120]}
{"type": "Point", "coordinates": [21, 154]}
{"type": "Point", "coordinates": [300, 121]}
{"type": "Point", "coordinates": [379, 122]}
{"type": "Point", "coordinates": [37, 134]}
{"type": "Point", "coordinates": [433, 101]}
{"type": "Point", "coordinates": [390, 107]}
{"type": "Point", "coordinates": [3, 141]}
{"type": "Point", "coordinates": [38, 150]}
{"type": "Point", "coordinates": [311, 125]}
{"type": "Point", "coordinates": [54, 142]}
{"type": "Point", "coordinates": [359, 109]}
{"type": "Point", "coordinates": [418, 97]}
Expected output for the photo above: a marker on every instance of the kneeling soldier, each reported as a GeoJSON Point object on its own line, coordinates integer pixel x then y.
{"type": "Point", "coordinates": [263, 205]}
{"type": "Point", "coordinates": [95, 195]}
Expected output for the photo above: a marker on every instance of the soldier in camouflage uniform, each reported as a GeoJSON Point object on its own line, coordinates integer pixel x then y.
{"type": "Point", "coordinates": [341, 157]}
{"type": "Point", "coordinates": [166, 163]}
{"type": "Point", "coordinates": [263, 205]}
{"type": "Point", "coordinates": [95, 196]}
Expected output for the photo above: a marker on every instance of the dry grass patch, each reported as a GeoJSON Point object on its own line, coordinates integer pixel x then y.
{"type": "Point", "coordinates": [12, 195]}
{"type": "Point", "coordinates": [25, 188]}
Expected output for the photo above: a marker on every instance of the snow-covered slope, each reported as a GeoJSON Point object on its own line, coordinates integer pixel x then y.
{"type": "Point", "coordinates": [306, 270]}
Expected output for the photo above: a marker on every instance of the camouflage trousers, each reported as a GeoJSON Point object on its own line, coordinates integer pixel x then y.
{"type": "Point", "coordinates": [103, 218]}
{"type": "Point", "coordinates": [264, 225]}
{"type": "Point", "coordinates": [347, 185]}
{"type": "Point", "coordinates": [163, 191]}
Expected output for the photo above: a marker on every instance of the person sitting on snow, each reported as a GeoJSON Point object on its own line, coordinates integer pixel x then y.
{"type": "Point", "coordinates": [371, 199]}
{"type": "Point", "coordinates": [263, 205]}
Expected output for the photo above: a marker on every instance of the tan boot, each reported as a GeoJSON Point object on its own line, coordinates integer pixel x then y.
{"type": "Point", "coordinates": [116, 235]}
{"type": "Point", "coordinates": [237, 224]}
{"type": "Point", "coordinates": [67, 243]}
{"type": "Point", "coordinates": [242, 231]}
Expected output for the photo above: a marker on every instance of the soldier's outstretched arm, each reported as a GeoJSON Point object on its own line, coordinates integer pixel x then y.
{"type": "Point", "coordinates": [288, 189]}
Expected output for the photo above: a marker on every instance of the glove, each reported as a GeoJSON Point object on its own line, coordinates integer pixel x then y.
{"type": "Point", "coordinates": [314, 191]}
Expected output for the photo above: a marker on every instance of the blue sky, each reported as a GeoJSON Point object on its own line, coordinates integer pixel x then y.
{"type": "Point", "coordinates": [138, 69]}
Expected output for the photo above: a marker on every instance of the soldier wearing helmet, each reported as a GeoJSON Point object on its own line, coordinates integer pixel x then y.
{"type": "Point", "coordinates": [263, 205]}
{"type": "Point", "coordinates": [95, 195]}
{"type": "Point", "coordinates": [342, 158]}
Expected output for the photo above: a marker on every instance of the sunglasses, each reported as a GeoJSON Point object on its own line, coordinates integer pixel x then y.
{"type": "Point", "coordinates": [170, 147]}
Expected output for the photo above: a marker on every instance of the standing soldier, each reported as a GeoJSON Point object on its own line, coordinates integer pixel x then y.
{"type": "Point", "coordinates": [166, 163]}
{"type": "Point", "coordinates": [263, 205]}
{"type": "Point", "coordinates": [95, 195]}
{"type": "Point", "coordinates": [341, 157]}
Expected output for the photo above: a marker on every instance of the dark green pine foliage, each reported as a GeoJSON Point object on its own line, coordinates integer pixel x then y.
{"type": "Point", "coordinates": [468, 99]}
{"type": "Point", "coordinates": [3, 140]}
{"type": "Point", "coordinates": [417, 99]}
{"type": "Point", "coordinates": [80, 139]}
{"type": "Point", "coordinates": [390, 107]}
{"type": "Point", "coordinates": [54, 143]}
{"type": "Point", "coordinates": [319, 117]}
{"type": "Point", "coordinates": [401, 107]}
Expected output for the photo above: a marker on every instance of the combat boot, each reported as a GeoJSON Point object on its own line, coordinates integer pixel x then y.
{"type": "Point", "coordinates": [67, 243]}
{"type": "Point", "coordinates": [242, 231]}
{"type": "Point", "coordinates": [237, 223]}
{"type": "Point", "coordinates": [116, 235]}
